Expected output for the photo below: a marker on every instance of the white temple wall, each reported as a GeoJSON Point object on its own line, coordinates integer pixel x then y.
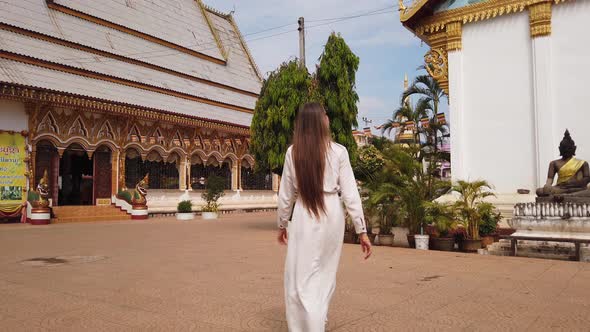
{"type": "Point", "coordinates": [570, 51]}
{"type": "Point", "coordinates": [497, 130]}
{"type": "Point", "coordinates": [13, 116]}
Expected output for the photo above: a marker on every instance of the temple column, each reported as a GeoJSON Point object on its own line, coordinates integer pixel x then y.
{"type": "Point", "coordinates": [545, 142]}
{"type": "Point", "coordinates": [114, 171]}
{"type": "Point", "coordinates": [188, 174]}
{"type": "Point", "coordinates": [182, 173]}
{"type": "Point", "coordinates": [234, 176]}
{"type": "Point", "coordinates": [121, 175]}
{"type": "Point", "coordinates": [456, 101]}
{"type": "Point", "coordinates": [240, 175]}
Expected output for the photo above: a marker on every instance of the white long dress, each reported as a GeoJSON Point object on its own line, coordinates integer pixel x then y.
{"type": "Point", "coordinates": [314, 246]}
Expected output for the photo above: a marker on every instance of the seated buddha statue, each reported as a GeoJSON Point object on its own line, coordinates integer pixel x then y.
{"type": "Point", "coordinates": [573, 175]}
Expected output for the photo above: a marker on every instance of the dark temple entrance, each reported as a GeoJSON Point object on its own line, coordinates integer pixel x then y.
{"type": "Point", "coordinates": [75, 177]}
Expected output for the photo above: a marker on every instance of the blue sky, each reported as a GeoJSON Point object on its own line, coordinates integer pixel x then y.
{"type": "Point", "coordinates": [386, 49]}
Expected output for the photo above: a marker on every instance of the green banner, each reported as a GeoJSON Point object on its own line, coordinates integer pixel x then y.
{"type": "Point", "coordinates": [12, 172]}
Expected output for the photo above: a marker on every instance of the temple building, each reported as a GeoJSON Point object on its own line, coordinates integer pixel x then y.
{"type": "Point", "coordinates": [106, 92]}
{"type": "Point", "coordinates": [515, 74]}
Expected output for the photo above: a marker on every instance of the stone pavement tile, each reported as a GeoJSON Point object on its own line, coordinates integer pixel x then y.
{"type": "Point", "coordinates": [71, 320]}
{"type": "Point", "coordinates": [163, 275]}
{"type": "Point", "coordinates": [559, 316]}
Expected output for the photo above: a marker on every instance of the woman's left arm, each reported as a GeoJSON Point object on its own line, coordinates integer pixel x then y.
{"type": "Point", "coordinates": [286, 197]}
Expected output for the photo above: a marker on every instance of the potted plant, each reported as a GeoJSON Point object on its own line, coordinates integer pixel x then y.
{"type": "Point", "coordinates": [213, 191]}
{"type": "Point", "coordinates": [489, 224]}
{"type": "Point", "coordinates": [385, 235]}
{"type": "Point", "coordinates": [469, 209]}
{"type": "Point", "coordinates": [442, 217]}
{"type": "Point", "coordinates": [185, 210]}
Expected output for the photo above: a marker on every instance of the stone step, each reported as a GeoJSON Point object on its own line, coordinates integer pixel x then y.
{"type": "Point", "coordinates": [65, 214]}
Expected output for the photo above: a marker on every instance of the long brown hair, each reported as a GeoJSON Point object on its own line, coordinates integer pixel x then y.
{"type": "Point", "coordinates": [311, 141]}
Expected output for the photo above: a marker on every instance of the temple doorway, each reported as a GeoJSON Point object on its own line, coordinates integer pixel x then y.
{"type": "Point", "coordinates": [76, 176]}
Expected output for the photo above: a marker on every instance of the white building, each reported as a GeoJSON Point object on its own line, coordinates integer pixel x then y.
{"type": "Point", "coordinates": [515, 73]}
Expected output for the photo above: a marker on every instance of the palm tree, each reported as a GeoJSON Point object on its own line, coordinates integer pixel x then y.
{"type": "Point", "coordinates": [429, 90]}
{"type": "Point", "coordinates": [470, 206]}
{"type": "Point", "coordinates": [402, 115]}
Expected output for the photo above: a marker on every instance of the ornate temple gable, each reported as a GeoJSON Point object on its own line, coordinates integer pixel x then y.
{"type": "Point", "coordinates": [48, 125]}
{"type": "Point", "coordinates": [29, 95]}
{"type": "Point", "coordinates": [134, 134]}
{"type": "Point", "coordinates": [177, 140]}
{"type": "Point", "coordinates": [227, 146]}
{"type": "Point", "coordinates": [106, 131]}
{"type": "Point", "coordinates": [78, 128]}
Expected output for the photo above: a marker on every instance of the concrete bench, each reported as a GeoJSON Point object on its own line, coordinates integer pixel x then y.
{"type": "Point", "coordinates": [576, 238]}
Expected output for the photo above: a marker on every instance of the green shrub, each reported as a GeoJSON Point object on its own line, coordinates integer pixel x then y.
{"type": "Point", "coordinates": [185, 207]}
{"type": "Point", "coordinates": [489, 219]}
{"type": "Point", "coordinates": [214, 189]}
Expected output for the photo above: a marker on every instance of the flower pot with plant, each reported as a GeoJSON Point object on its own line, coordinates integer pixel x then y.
{"type": "Point", "coordinates": [489, 224]}
{"type": "Point", "coordinates": [185, 210]}
{"type": "Point", "coordinates": [469, 209]}
{"type": "Point", "coordinates": [214, 187]}
{"type": "Point", "coordinates": [442, 217]}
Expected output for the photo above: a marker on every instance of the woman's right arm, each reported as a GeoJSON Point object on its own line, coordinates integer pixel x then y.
{"type": "Point", "coordinates": [286, 197]}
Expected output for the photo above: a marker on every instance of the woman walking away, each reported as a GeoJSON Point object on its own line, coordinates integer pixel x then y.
{"type": "Point", "coordinates": [316, 170]}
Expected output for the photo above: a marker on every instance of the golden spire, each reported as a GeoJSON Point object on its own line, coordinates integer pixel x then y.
{"type": "Point", "coordinates": [405, 82]}
{"type": "Point", "coordinates": [406, 85]}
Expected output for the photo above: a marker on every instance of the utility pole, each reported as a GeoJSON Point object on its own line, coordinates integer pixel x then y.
{"type": "Point", "coordinates": [367, 121]}
{"type": "Point", "coordinates": [301, 29]}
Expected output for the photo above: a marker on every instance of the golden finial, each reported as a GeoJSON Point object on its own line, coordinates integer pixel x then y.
{"type": "Point", "coordinates": [402, 7]}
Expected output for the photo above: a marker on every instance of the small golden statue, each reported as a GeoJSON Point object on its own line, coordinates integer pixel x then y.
{"type": "Point", "coordinates": [43, 192]}
{"type": "Point", "coordinates": [573, 175]}
{"type": "Point", "coordinates": [138, 197]}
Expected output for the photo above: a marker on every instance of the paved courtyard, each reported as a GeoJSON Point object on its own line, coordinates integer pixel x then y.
{"type": "Point", "coordinates": [226, 275]}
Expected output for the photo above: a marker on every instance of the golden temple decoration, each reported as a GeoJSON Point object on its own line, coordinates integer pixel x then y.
{"type": "Point", "coordinates": [540, 19]}
{"type": "Point", "coordinates": [401, 5]}
{"type": "Point", "coordinates": [437, 65]}
{"type": "Point", "coordinates": [471, 13]}
{"type": "Point", "coordinates": [454, 32]}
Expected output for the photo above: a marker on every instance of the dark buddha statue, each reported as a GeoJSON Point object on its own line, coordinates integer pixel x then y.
{"type": "Point", "coordinates": [573, 175]}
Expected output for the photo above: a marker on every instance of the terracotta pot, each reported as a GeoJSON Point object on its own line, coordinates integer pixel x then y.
{"type": "Point", "coordinates": [487, 240]}
{"type": "Point", "coordinates": [443, 243]}
{"type": "Point", "coordinates": [468, 245]}
{"type": "Point", "coordinates": [411, 241]}
{"type": "Point", "coordinates": [386, 240]}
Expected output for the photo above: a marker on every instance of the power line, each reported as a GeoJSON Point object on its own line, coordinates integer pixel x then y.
{"type": "Point", "coordinates": [327, 21]}
{"type": "Point", "coordinates": [351, 16]}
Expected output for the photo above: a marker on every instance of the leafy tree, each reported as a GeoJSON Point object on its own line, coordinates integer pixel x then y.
{"type": "Point", "coordinates": [283, 92]}
{"type": "Point", "coordinates": [336, 77]}
{"type": "Point", "coordinates": [369, 163]}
